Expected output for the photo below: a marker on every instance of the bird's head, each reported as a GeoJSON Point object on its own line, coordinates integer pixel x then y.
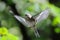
{"type": "Point", "coordinates": [28, 15]}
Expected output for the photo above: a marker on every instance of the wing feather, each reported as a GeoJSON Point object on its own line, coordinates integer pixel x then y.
{"type": "Point", "coordinates": [43, 15]}
{"type": "Point", "coordinates": [21, 19]}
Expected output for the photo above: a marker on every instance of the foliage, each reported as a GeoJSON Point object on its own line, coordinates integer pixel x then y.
{"type": "Point", "coordinates": [6, 35]}
{"type": "Point", "coordinates": [33, 7]}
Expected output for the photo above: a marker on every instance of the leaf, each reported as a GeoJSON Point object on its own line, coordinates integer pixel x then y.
{"type": "Point", "coordinates": [57, 30]}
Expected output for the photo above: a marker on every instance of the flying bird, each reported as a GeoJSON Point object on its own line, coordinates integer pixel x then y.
{"type": "Point", "coordinates": [31, 21]}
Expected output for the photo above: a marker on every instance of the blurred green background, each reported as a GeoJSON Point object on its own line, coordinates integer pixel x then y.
{"type": "Point", "coordinates": [49, 29]}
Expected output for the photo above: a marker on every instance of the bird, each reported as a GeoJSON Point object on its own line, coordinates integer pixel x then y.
{"type": "Point", "coordinates": [31, 21]}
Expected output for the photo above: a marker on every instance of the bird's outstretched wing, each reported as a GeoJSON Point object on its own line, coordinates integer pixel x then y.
{"type": "Point", "coordinates": [21, 19]}
{"type": "Point", "coordinates": [43, 15]}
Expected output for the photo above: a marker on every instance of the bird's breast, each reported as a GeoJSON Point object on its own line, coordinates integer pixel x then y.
{"type": "Point", "coordinates": [31, 23]}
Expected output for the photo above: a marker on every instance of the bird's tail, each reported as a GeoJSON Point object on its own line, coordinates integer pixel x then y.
{"type": "Point", "coordinates": [36, 32]}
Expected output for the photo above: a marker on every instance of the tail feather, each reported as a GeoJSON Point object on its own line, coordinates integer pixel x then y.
{"type": "Point", "coordinates": [36, 32]}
